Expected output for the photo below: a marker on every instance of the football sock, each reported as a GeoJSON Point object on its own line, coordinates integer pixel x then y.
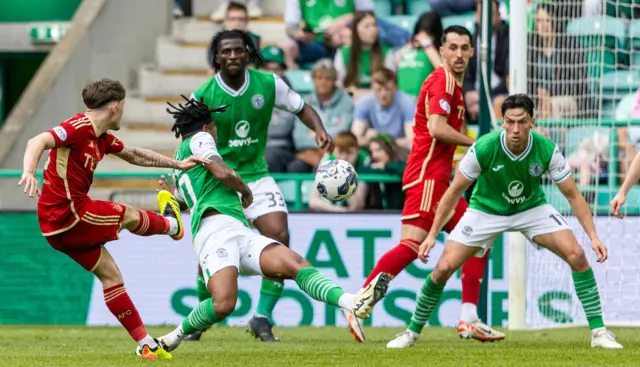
{"type": "Point", "coordinates": [152, 223]}
{"type": "Point", "coordinates": [201, 289]}
{"type": "Point", "coordinates": [173, 226]}
{"type": "Point", "coordinates": [270, 293]}
{"type": "Point", "coordinates": [587, 291]}
{"type": "Point", "coordinates": [121, 306]}
{"type": "Point", "coordinates": [319, 287]}
{"type": "Point", "coordinates": [471, 277]}
{"type": "Point", "coordinates": [427, 300]}
{"type": "Point", "coordinates": [395, 260]}
{"type": "Point", "coordinates": [347, 301]}
{"type": "Point", "coordinates": [201, 317]}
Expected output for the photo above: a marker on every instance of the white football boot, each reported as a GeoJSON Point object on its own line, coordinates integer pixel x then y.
{"type": "Point", "coordinates": [405, 339]}
{"type": "Point", "coordinates": [478, 330]}
{"type": "Point", "coordinates": [603, 338]}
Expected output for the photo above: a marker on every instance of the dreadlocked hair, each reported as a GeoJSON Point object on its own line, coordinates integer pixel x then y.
{"type": "Point", "coordinates": [254, 54]}
{"type": "Point", "coordinates": [191, 116]}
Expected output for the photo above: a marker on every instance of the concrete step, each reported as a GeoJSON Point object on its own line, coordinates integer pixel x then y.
{"type": "Point", "coordinates": [199, 31]}
{"type": "Point", "coordinates": [165, 143]}
{"type": "Point", "coordinates": [171, 55]}
{"type": "Point", "coordinates": [155, 83]}
{"type": "Point", "coordinates": [139, 111]}
{"type": "Point", "coordinates": [271, 8]}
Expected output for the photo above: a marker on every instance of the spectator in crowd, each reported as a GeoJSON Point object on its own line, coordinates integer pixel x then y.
{"type": "Point", "coordinates": [444, 8]}
{"type": "Point", "coordinates": [500, 52]}
{"type": "Point", "coordinates": [236, 18]}
{"type": "Point", "coordinates": [315, 28]}
{"type": "Point", "coordinates": [385, 110]}
{"type": "Point", "coordinates": [419, 58]}
{"type": "Point", "coordinates": [556, 75]}
{"type": "Point", "coordinates": [386, 157]}
{"type": "Point", "coordinates": [335, 108]}
{"type": "Point", "coordinates": [347, 149]}
{"type": "Point", "coordinates": [356, 63]}
{"type": "Point", "coordinates": [252, 6]}
{"type": "Point", "coordinates": [280, 151]}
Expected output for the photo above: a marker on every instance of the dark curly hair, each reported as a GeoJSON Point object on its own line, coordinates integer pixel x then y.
{"type": "Point", "coordinates": [191, 116]}
{"type": "Point", "coordinates": [254, 54]}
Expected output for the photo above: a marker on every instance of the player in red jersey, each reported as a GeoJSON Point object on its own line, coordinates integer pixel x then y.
{"type": "Point", "coordinates": [78, 226]}
{"type": "Point", "coordinates": [439, 117]}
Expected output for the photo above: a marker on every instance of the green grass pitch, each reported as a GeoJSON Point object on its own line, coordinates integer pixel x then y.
{"type": "Point", "coordinates": [54, 346]}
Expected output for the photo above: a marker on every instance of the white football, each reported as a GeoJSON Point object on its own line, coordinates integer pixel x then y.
{"type": "Point", "coordinates": [336, 180]}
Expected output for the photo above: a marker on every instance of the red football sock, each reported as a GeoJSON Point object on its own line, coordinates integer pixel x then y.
{"type": "Point", "coordinates": [471, 277]}
{"type": "Point", "coordinates": [395, 260]}
{"type": "Point", "coordinates": [120, 305]}
{"type": "Point", "coordinates": [151, 223]}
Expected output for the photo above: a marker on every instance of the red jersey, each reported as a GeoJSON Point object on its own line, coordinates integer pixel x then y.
{"type": "Point", "coordinates": [68, 172]}
{"type": "Point", "coordinates": [440, 94]}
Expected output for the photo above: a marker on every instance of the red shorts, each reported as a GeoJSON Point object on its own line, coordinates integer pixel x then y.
{"type": "Point", "coordinates": [421, 200]}
{"type": "Point", "coordinates": [83, 242]}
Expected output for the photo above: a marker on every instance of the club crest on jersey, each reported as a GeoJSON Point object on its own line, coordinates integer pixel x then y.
{"type": "Point", "coordinates": [445, 105]}
{"type": "Point", "coordinates": [535, 170]}
{"type": "Point", "coordinates": [257, 101]}
{"type": "Point", "coordinates": [242, 128]}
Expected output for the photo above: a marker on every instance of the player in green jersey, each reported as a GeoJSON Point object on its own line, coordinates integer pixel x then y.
{"type": "Point", "coordinates": [242, 141]}
{"type": "Point", "coordinates": [508, 166]}
{"type": "Point", "coordinates": [224, 244]}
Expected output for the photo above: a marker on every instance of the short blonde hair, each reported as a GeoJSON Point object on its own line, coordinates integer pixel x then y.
{"type": "Point", "coordinates": [324, 66]}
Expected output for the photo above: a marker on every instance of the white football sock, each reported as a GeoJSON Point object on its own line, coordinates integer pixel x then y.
{"type": "Point", "coordinates": [469, 313]}
{"type": "Point", "coordinates": [347, 301]}
{"type": "Point", "coordinates": [147, 340]}
{"type": "Point", "coordinates": [176, 336]}
{"type": "Point", "coordinates": [173, 226]}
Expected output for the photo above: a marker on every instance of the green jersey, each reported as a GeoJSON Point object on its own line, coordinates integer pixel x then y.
{"type": "Point", "coordinates": [320, 14]}
{"type": "Point", "coordinates": [509, 184]}
{"type": "Point", "coordinates": [413, 69]}
{"type": "Point", "coordinates": [199, 188]}
{"type": "Point", "coordinates": [364, 78]}
{"type": "Point", "coordinates": [242, 128]}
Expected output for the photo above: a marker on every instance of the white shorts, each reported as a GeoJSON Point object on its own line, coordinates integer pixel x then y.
{"type": "Point", "coordinates": [224, 241]}
{"type": "Point", "coordinates": [267, 198]}
{"type": "Point", "coordinates": [478, 229]}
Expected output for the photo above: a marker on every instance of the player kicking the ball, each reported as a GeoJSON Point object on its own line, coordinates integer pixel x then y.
{"type": "Point", "coordinates": [78, 226]}
{"type": "Point", "coordinates": [439, 117]}
{"type": "Point", "coordinates": [224, 244]}
{"type": "Point", "coordinates": [508, 166]}
{"type": "Point", "coordinates": [242, 140]}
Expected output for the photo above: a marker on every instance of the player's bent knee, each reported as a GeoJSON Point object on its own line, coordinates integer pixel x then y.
{"type": "Point", "coordinates": [131, 218]}
{"type": "Point", "coordinates": [577, 259]}
{"type": "Point", "coordinates": [108, 273]}
{"type": "Point", "coordinates": [442, 272]}
{"type": "Point", "coordinates": [224, 307]}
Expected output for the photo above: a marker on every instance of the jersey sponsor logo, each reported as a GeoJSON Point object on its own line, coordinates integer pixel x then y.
{"type": "Point", "coordinates": [535, 169]}
{"type": "Point", "coordinates": [242, 129]}
{"type": "Point", "coordinates": [445, 105]}
{"type": "Point", "coordinates": [257, 101]}
{"type": "Point", "coordinates": [61, 132]}
{"type": "Point", "coordinates": [515, 190]}
{"type": "Point", "coordinates": [497, 168]}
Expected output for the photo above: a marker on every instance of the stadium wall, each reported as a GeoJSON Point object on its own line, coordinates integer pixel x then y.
{"type": "Point", "coordinates": [106, 39]}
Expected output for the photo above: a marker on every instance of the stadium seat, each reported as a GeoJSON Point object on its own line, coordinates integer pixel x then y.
{"type": "Point", "coordinates": [466, 20]}
{"type": "Point", "coordinates": [383, 8]}
{"type": "Point", "coordinates": [417, 7]}
{"type": "Point", "coordinates": [300, 81]}
{"type": "Point", "coordinates": [307, 186]}
{"type": "Point", "coordinates": [288, 189]}
{"type": "Point", "coordinates": [576, 134]}
{"type": "Point", "coordinates": [616, 85]}
{"type": "Point", "coordinates": [623, 109]}
{"type": "Point", "coordinates": [590, 31]}
{"type": "Point", "coordinates": [404, 21]}
{"type": "Point", "coordinates": [634, 36]}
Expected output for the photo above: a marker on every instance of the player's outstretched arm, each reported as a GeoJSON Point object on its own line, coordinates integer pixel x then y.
{"type": "Point", "coordinates": [229, 178]}
{"type": "Point", "coordinates": [149, 158]}
{"type": "Point", "coordinates": [441, 130]}
{"type": "Point", "coordinates": [582, 211]}
{"type": "Point", "coordinates": [35, 147]}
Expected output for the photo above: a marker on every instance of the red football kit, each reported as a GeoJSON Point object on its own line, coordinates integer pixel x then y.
{"type": "Point", "coordinates": [430, 162]}
{"type": "Point", "coordinates": [72, 222]}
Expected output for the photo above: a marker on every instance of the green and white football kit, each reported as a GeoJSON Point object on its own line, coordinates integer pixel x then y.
{"type": "Point", "coordinates": [508, 195]}
{"type": "Point", "coordinates": [223, 239]}
{"type": "Point", "coordinates": [242, 131]}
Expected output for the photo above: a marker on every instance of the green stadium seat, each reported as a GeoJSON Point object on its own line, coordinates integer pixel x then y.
{"type": "Point", "coordinates": [466, 20]}
{"type": "Point", "coordinates": [621, 8]}
{"type": "Point", "coordinates": [288, 189]}
{"type": "Point", "coordinates": [576, 134]}
{"type": "Point", "coordinates": [620, 82]}
{"type": "Point", "coordinates": [417, 7]}
{"type": "Point", "coordinates": [382, 8]}
{"type": "Point", "coordinates": [623, 109]}
{"type": "Point", "coordinates": [634, 36]}
{"type": "Point", "coordinates": [307, 186]}
{"type": "Point", "coordinates": [404, 21]}
{"type": "Point", "coordinates": [300, 81]}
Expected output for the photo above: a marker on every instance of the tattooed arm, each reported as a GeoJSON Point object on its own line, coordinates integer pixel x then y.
{"type": "Point", "coordinates": [146, 158]}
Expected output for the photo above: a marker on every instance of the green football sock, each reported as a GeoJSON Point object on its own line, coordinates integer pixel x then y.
{"type": "Point", "coordinates": [319, 287]}
{"type": "Point", "coordinates": [427, 301]}
{"type": "Point", "coordinates": [201, 317]}
{"type": "Point", "coordinates": [201, 289]}
{"type": "Point", "coordinates": [587, 291]}
{"type": "Point", "coordinates": [270, 293]}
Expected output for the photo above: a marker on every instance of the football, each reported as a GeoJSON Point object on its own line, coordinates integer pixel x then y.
{"type": "Point", "coordinates": [336, 180]}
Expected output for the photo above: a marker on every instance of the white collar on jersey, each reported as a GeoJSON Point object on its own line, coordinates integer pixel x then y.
{"type": "Point", "coordinates": [513, 157]}
{"type": "Point", "coordinates": [229, 90]}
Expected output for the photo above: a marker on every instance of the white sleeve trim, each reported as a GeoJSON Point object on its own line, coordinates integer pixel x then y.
{"type": "Point", "coordinates": [287, 99]}
{"type": "Point", "coordinates": [203, 145]}
{"type": "Point", "coordinates": [469, 165]}
{"type": "Point", "coordinates": [559, 168]}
